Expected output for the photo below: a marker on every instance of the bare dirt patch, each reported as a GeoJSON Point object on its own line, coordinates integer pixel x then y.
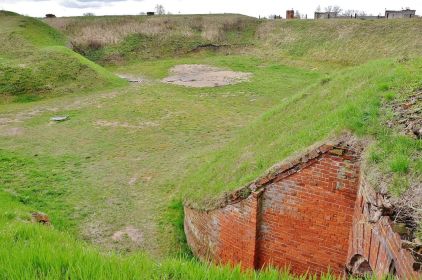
{"type": "Point", "coordinates": [105, 123]}
{"type": "Point", "coordinates": [129, 232]}
{"type": "Point", "coordinates": [12, 131]}
{"type": "Point", "coordinates": [199, 76]}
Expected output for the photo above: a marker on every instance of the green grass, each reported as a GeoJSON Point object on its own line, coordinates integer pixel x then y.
{"type": "Point", "coordinates": [350, 101]}
{"type": "Point", "coordinates": [131, 155]}
{"type": "Point", "coordinates": [324, 44]}
{"type": "Point", "coordinates": [31, 251]}
{"type": "Point", "coordinates": [116, 40]}
{"type": "Point", "coordinates": [339, 43]}
{"type": "Point", "coordinates": [35, 63]}
{"type": "Point", "coordinates": [165, 135]}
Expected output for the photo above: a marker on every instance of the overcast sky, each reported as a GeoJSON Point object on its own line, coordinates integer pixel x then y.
{"type": "Point", "coordinates": [255, 8]}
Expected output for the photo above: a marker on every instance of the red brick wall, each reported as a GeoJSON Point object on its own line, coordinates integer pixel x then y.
{"type": "Point", "coordinates": [307, 217]}
{"type": "Point", "coordinates": [226, 235]}
{"type": "Point", "coordinates": [377, 242]}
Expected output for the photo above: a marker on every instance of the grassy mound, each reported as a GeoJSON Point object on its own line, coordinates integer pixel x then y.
{"type": "Point", "coordinates": [123, 39]}
{"type": "Point", "coordinates": [35, 62]}
{"type": "Point", "coordinates": [340, 42]}
{"type": "Point", "coordinates": [120, 39]}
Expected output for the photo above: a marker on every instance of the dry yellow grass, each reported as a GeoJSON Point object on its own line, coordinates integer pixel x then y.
{"type": "Point", "coordinates": [100, 31]}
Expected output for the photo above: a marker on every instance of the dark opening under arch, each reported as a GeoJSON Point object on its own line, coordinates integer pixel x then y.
{"type": "Point", "coordinates": [358, 267]}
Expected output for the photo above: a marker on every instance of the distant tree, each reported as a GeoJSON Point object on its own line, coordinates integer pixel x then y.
{"type": "Point", "coordinates": [352, 13]}
{"type": "Point", "coordinates": [89, 15]}
{"type": "Point", "coordinates": [337, 9]}
{"type": "Point", "coordinates": [159, 9]}
{"type": "Point", "coordinates": [142, 13]}
{"type": "Point", "coordinates": [318, 9]}
{"type": "Point", "coordinates": [50, 16]}
{"type": "Point", "coordinates": [298, 15]}
{"type": "Point", "coordinates": [348, 13]}
{"type": "Point", "coordinates": [333, 9]}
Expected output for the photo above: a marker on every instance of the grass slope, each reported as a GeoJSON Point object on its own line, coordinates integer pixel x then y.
{"type": "Point", "coordinates": [350, 99]}
{"type": "Point", "coordinates": [122, 39]}
{"type": "Point", "coordinates": [128, 157]}
{"type": "Point", "coordinates": [339, 43]}
{"type": "Point", "coordinates": [35, 62]}
{"type": "Point", "coordinates": [332, 43]}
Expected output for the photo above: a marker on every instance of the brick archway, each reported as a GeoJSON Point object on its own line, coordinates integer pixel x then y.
{"type": "Point", "coordinates": [358, 266]}
{"type": "Point", "coordinates": [376, 241]}
{"type": "Point", "coordinates": [309, 214]}
{"type": "Point", "coordinates": [299, 216]}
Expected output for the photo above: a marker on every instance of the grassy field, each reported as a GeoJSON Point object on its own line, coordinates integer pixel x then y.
{"type": "Point", "coordinates": [130, 155]}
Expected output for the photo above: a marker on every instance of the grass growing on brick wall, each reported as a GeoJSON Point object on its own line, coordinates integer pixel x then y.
{"type": "Point", "coordinates": [35, 62]}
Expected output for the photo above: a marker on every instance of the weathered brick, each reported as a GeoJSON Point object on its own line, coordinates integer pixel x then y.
{"type": "Point", "coordinates": [300, 219]}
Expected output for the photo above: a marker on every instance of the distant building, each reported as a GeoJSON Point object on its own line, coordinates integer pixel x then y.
{"type": "Point", "coordinates": [50, 16]}
{"type": "Point", "coordinates": [389, 14]}
{"type": "Point", "coordinates": [290, 14]}
{"type": "Point", "coordinates": [326, 15]}
{"type": "Point", "coordinates": [150, 13]}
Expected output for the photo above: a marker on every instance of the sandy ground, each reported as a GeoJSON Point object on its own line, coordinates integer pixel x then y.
{"type": "Point", "coordinates": [200, 76]}
{"type": "Point", "coordinates": [134, 234]}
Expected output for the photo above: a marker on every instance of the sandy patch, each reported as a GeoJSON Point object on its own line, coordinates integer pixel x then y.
{"type": "Point", "coordinates": [200, 76]}
{"type": "Point", "coordinates": [130, 232]}
{"type": "Point", "coordinates": [13, 131]}
{"type": "Point", "coordinates": [105, 123]}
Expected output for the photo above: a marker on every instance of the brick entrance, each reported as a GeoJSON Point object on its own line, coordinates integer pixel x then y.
{"type": "Point", "coordinates": [306, 214]}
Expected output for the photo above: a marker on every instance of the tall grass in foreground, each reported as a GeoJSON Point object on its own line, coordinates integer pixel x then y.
{"type": "Point", "coordinates": [31, 251]}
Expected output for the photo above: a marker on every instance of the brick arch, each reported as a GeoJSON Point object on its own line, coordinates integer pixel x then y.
{"type": "Point", "coordinates": [299, 216]}
{"type": "Point", "coordinates": [358, 266]}
{"type": "Point", "coordinates": [376, 241]}
{"type": "Point", "coordinates": [311, 214]}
